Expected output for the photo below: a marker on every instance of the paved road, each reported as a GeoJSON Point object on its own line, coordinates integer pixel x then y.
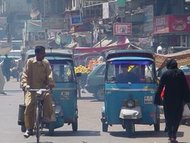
{"type": "Point", "coordinates": [89, 124]}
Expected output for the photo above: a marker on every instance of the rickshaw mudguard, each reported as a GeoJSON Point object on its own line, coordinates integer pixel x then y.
{"type": "Point", "coordinates": [130, 113]}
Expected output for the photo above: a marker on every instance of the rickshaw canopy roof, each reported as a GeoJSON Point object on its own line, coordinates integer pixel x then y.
{"type": "Point", "coordinates": [53, 54]}
{"type": "Point", "coordinates": [129, 53]}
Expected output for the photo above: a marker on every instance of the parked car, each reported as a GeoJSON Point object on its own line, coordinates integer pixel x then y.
{"type": "Point", "coordinates": [95, 81]}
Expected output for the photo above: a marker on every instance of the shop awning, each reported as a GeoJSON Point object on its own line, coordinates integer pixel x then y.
{"type": "Point", "coordinates": [103, 43]}
{"type": "Point", "coordinates": [182, 58]}
{"type": "Point", "coordinates": [100, 49]}
{"type": "Point", "coordinates": [4, 51]}
{"type": "Point", "coordinates": [71, 45]}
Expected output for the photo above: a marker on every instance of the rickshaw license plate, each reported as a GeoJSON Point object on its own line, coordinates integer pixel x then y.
{"type": "Point", "coordinates": [148, 99]}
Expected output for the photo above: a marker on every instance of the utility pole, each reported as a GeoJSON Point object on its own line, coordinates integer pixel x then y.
{"type": "Point", "coordinates": [121, 9]}
{"type": "Point", "coordinates": [9, 27]}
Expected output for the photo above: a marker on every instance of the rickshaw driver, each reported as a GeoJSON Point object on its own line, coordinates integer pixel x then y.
{"type": "Point", "coordinates": [37, 74]}
{"type": "Point", "coordinates": [126, 75]}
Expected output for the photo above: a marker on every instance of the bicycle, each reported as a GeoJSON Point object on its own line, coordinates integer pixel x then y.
{"type": "Point", "coordinates": [39, 110]}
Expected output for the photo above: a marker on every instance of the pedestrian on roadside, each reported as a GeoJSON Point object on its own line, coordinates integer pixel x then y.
{"type": "Point", "coordinates": [159, 49]}
{"type": "Point", "coordinates": [6, 67]}
{"type": "Point", "coordinates": [2, 80]}
{"type": "Point", "coordinates": [176, 93]}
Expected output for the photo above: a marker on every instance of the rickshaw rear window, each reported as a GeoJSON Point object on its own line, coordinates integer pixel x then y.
{"type": "Point", "coordinates": [63, 71]}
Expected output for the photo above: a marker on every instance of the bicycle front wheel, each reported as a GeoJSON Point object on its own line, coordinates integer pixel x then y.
{"type": "Point", "coordinates": [38, 114]}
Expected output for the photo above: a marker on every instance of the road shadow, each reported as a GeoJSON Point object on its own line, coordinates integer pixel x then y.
{"type": "Point", "coordinates": [71, 133]}
{"type": "Point", "coordinates": [96, 100]}
{"type": "Point", "coordinates": [11, 93]}
{"type": "Point", "coordinates": [41, 142]}
{"type": "Point", "coordinates": [145, 134]}
{"type": "Point", "coordinates": [3, 94]}
{"type": "Point", "coordinates": [90, 98]}
{"type": "Point", "coordinates": [86, 98]}
{"type": "Point", "coordinates": [185, 122]}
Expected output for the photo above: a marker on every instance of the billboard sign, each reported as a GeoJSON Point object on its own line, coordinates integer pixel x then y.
{"type": "Point", "coordinates": [161, 25]}
{"type": "Point", "coordinates": [105, 8]}
{"type": "Point", "coordinates": [122, 29]}
{"type": "Point", "coordinates": [56, 23]}
{"type": "Point", "coordinates": [76, 20]}
{"type": "Point", "coordinates": [121, 3]}
{"type": "Point", "coordinates": [171, 23]}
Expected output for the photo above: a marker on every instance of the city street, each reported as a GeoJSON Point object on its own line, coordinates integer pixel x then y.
{"type": "Point", "coordinates": [89, 129]}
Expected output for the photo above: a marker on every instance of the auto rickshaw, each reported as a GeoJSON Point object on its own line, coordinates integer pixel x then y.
{"type": "Point", "coordinates": [65, 92]}
{"type": "Point", "coordinates": [129, 100]}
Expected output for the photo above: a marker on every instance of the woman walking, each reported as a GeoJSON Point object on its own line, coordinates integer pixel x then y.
{"type": "Point", "coordinates": [175, 95]}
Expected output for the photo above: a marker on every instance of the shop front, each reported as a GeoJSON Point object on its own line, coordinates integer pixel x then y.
{"type": "Point", "coordinates": [172, 31]}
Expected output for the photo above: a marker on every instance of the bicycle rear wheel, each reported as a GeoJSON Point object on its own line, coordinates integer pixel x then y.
{"type": "Point", "coordinates": [38, 114]}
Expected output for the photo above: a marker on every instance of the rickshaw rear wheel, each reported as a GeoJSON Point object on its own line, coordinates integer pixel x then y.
{"type": "Point", "coordinates": [75, 125]}
{"type": "Point", "coordinates": [104, 127]}
{"type": "Point", "coordinates": [157, 126]}
{"type": "Point", "coordinates": [130, 128]}
{"type": "Point", "coordinates": [23, 128]}
{"type": "Point", "coordinates": [51, 129]}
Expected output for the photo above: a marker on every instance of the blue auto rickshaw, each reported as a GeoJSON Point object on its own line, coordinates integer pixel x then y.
{"type": "Point", "coordinates": [65, 92]}
{"type": "Point", "coordinates": [129, 99]}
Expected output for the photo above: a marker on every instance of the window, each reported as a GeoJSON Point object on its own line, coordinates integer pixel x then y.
{"type": "Point", "coordinates": [141, 71]}
{"type": "Point", "coordinates": [63, 72]}
{"type": "Point", "coordinates": [101, 70]}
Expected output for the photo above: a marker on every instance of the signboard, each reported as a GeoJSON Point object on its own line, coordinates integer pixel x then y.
{"type": "Point", "coordinates": [105, 8]}
{"type": "Point", "coordinates": [122, 29]}
{"type": "Point", "coordinates": [161, 24]}
{"type": "Point", "coordinates": [34, 26]}
{"type": "Point", "coordinates": [171, 23]}
{"type": "Point", "coordinates": [76, 20]}
{"type": "Point", "coordinates": [179, 23]}
{"type": "Point", "coordinates": [56, 23]}
{"type": "Point", "coordinates": [121, 3]}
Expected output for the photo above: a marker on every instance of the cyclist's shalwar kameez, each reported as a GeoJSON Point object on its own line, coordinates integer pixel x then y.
{"type": "Point", "coordinates": [37, 75]}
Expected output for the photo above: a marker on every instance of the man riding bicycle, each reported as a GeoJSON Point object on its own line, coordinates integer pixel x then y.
{"type": "Point", "coordinates": [37, 74]}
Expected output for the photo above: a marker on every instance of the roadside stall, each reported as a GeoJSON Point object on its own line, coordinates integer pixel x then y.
{"type": "Point", "coordinates": [183, 58]}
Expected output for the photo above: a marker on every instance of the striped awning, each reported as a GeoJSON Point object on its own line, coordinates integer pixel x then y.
{"type": "Point", "coordinates": [182, 58]}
